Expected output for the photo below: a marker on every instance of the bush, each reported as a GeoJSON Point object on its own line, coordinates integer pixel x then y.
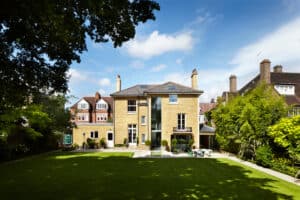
{"type": "Point", "coordinates": [164, 143]}
{"type": "Point", "coordinates": [283, 165]}
{"type": "Point", "coordinates": [102, 143]}
{"type": "Point", "coordinates": [147, 142]}
{"type": "Point", "coordinates": [91, 143]}
{"type": "Point", "coordinates": [120, 145]}
{"type": "Point", "coordinates": [264, 156]}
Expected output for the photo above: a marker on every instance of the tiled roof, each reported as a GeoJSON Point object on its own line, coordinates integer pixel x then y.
{"type": "Point", "coordinates": [206, 129]}
{"type": "Point", "coordinates": [166, 88]}
{"type": "Point", "coordinates": [205, 107]}
{"type": "Point", "coordinates": [92, 102]}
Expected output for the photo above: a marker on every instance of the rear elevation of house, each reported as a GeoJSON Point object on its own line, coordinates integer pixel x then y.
{"type": "Point", "coordinates": [286, 84]}
{"type": "Point", "coordinates": [144, 112]}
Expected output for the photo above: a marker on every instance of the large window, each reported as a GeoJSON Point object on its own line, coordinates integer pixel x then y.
{"type": "Point", "coordinates": [131, 106]}
{"type": "Point", "coordinates": [132, 133]}
{"type": "Point", "coordinates": [83, 106]}
{"type": "Point", "coordinates": [285, 89]}
{"type": "Point", "coordinates": [101, 106]}
{"type": "Point", "coordinates": [83, 117]}
{"type": "Point", "coordinates": [173, 98]}
{"type": "Point", "coordinates": [294, 111]}
{"type": "Point", "coordinates": [181, 121]}
{"type": "Point", "coordinates": [102, 117]}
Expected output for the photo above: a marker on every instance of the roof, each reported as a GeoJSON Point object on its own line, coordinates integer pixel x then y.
{"type": "Point", "coordinates": [279, 78]}
{"type": "Point", "coordinates": [205, 107]}
{"type": "Point", "coordinates": [206, 129]}
{"type": "Point", "coordinates": [166, 88]}
{"type": "Point", "coordinates": [92, 102]}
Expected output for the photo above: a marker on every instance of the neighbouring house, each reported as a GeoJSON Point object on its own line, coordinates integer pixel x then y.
{"type": "Point", "coordinates": [207, 131]}
{"type": "Point", "coordinates": [93, 117]}
{"type": "Point", "coordinates": [143, 112]}
{"type": "Point", "coordinates": [286, 84]}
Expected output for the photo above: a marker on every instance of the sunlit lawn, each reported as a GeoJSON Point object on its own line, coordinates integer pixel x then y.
{"type": "Point", "coordinates": [118, 176]}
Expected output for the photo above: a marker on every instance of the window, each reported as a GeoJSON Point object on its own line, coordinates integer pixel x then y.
{"type": "Point", "coordinates": [173, 98]}
{"type": "Point", "coordinates": [143, 138]}
{"type": "Point", "coordinates": [92, 134]}
{"type": "Point", "coordinates": [131, 106]}
{"type": "Point", "coordinates": [96, 134]}
{"type": "Point", "coordinates": [285, 89]}
{"type": "Point", "coordinates": [294, 111]}
{"type": "Point", "coordinates": [143, 120]}
{"type": "Point", "coordinates": [102, 117]}
{"type": "Point", "coordinates": [83, 106]}
{"type": "Point", "coordinates": [101, 106]}
{"type": "Point", "coordinates": [82, 117]}
{"type": "Point", "coordinates": [181, 121]}
{"type": "Point", "coordinates": [132, 133]}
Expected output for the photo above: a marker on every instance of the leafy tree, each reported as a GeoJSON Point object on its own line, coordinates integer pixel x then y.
{"type": "Point", "coordinates": [286, 133]}
{"type": "Point", "coordinates": [40, 39]}
{"type": "Point", "coordinates": [242, 123]}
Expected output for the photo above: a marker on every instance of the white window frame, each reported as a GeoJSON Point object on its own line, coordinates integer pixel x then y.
{"type": "Point", "coordinates": [181, 121]}
{"type": "Point", "coordinates": [131, 106]}
{"type": "Point", "coordinates": [285, 89]}
{"type": "Point", "coordinates": [132, 134]}
{"type": "Point", "coordinates": [101, 117]}
{"type": "Point", "coordinates": [171, 98]}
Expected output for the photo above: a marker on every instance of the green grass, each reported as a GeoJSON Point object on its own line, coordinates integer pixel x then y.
{"type": "Point", "coordinates": [117, 176]}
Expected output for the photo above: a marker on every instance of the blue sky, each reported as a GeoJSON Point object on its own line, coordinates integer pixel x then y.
{"type": "Point", "coordinates": [218, 38]}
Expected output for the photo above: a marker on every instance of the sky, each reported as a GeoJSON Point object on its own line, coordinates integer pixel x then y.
{"type": "Point", "coordinates": [217, 37]}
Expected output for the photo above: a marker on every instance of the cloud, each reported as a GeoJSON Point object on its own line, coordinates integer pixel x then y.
{"type": "Point", "coordinates": [178, 77]}
{"type": "Point", "coordinates": [157, 44]}
{"type": "Point", "coordinates": [178, 61]}
{"type": "Point", "coordinates": [158, 68]}
{"type": "Point", "coordinates": [137, 64]}
{"type": "Point", "coordinates": [76, 75]}
{"type": "Point", "coordinates": [104, 82]}
{"type": "Point", "coordinates": [281, 46]}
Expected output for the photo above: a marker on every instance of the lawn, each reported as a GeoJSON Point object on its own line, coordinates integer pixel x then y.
{"type": "Point", "coordinates": [117, 176]}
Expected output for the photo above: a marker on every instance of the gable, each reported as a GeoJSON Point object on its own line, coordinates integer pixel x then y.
{"type": "Point", "coordinates": [83, 104]}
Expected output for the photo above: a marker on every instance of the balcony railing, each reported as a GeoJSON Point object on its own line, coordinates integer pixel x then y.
{"type": "Point", "coordinates": [182, 130]}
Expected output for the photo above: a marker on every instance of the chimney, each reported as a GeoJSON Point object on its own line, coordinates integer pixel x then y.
{"type": "Point", "coordinates": [97, 96]}
{"type": "Point", "coordinates": [265, 71]}
{"type": "Point", "coordinates": [194, 78]}
{"type": "Point", "coordinates": [232, 83]}
{"type": "Point", "coordinates": [277, 69]}
{"type": "Point", "coordinates": [118, 83]}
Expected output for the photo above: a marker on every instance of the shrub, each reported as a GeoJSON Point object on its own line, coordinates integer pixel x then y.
{"type": "Point", "coordinates": [173, 143]}
{"type": "Point", "coordinates": [164, 143]}
{"type": "Point", "coordinates": [297, 175]}
{"type": "Point", "coordinates": [147, 142]}
{"type": "Point", "coordinates": [120, 145]}
{"type": "Point", "coordinates": [91, 143]}
{"type": "Point", "coordinates": [102, 143]}
{"type": "Point", "coordinates": [283, 165]}
{"type": "Point", "coordinates": [264, 156]}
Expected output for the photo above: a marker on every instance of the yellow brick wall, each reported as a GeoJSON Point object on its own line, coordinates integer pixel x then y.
{"type": "Point", "coordinates": [187, 104]}
{"type": "Point", "coordinates": [78, 137]}
{"type": "Point", "coordinates": [122, 118]}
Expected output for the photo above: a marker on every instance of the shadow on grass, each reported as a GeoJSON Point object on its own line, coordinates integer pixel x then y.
{"type": "Point", "coordinates": [102, 176]}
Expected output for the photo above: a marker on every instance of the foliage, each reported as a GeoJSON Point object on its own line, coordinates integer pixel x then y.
{"type": "Point", "coordinates": [286, 133]}
{"type": "Point", "coordinates": [40, 40]}
{"type": "Point", "coordinates": [264, 156]}
{"type": "Point", "coordinates": [164, 143]}
{"type": "Point", "coordinates": [102, 143]}
{"type": "Point", "coordinates": [91, 143]}
{"type": "Point", "coordinates": [284, 165]}
{"type": "Point", "coordinates": [243, 122]}
{"type": "Point", "coordinates": [147, 142]}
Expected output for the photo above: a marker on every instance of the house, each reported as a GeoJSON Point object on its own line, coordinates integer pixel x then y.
{"type": "Point", "coordinates": [157, 112]}
{"type": "Point", "coordinates": [93, 117]}
{"type": "Point", "coordinates": [286, 84]}
{"type": "Point", "coordinates": [153, 112]}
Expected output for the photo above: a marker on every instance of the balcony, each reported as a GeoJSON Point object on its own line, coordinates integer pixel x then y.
{"type": "Point", "coordinates": [185, 130]}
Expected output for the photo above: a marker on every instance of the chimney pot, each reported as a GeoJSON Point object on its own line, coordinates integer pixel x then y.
{"type": "Point", "coordinates": [232, 84]}
{"type": "Point", "coordinates": [277, 69]}
{"type": "Point", "coordinates": [194, 78]}
{"type": "Point", "coordinates": [265, 71]}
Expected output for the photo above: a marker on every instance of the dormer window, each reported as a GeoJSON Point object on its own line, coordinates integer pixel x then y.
{"type": "Point", "coordinates": [101, 105]}
{"type": "Point", "coordinates": [173, 98]}
{"type": "Point", "coordinates": [83, 105]}
{"type": "Point", "coordinates": [285, 89]}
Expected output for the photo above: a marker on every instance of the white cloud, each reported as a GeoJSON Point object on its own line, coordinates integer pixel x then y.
{"type": "Point", "coordinates": [282, 46]}
{"type": "Point", "coordinates": [76, 75]}
{"type": "Point", "coordinates": [137, 64]}
{"type": "Point", "coordinates": [178, 61]}
{"type": "Point", "coordinates": [179, 77]}
{"type": "Point", "coordinates": [102, 92]}
{"type": "Point", "coordinates": [104, 82]}
{"type": "Point", "coordinates": [158, 68]}
{"type": "Point", "coordinates": [156, 44]}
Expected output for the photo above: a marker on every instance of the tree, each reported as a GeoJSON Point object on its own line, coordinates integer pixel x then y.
{"type": "Point", "coordinates": [286, 133]}
{"type": "Point", "coordinates": [40, 39]}
{"type": "Point", "coordinates": [242, 123]}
